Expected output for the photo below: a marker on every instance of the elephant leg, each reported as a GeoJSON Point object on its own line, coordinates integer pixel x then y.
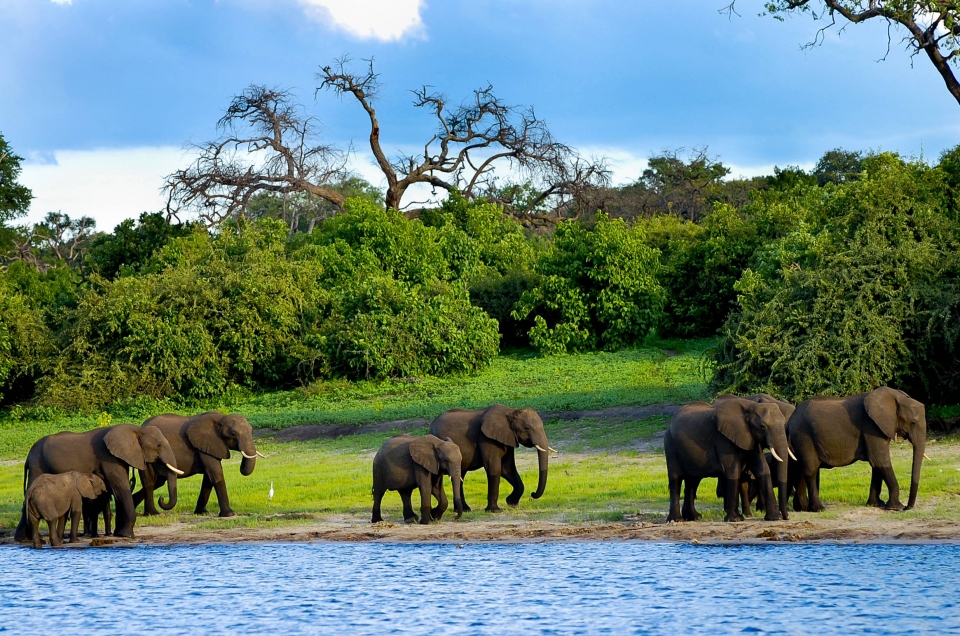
{"type": "Point", "coordinates": [512, 475]}
{"type": "Point", "coordinates": [876, 481]}
{"type": "Point", "coordinates": [893, 488]}
{"type": "Point", "coordinates": [33, 523]}
{"type": "Point", "coordinates": [213, 469]}
{"type": "Point", "coordinates": [107, 517]}
{"type": "Point", "coordinates": [408, 515]}
{"type": "Point", "coordinates": [813, 487]}
{"type": "Point", "coordinates": [378, 492]}
{"type": "Point", "coordinates": [745, 497]}
{"type": "Point", "coordinates": [23, 531]}
{"type": "Point", "coordinates": [120, 486]}
{"type": "Point", "coordinates": [55, 529]}
{"type": "Point", "coordinates": [674, 479]}
{"type": "Point", "coordinates": [75, 516]}
{"type": "Point", "coordinates": [205, 487]}
{"type": "Point", "coordinates": [425, 486]}
{"type": "Point", "coordinates": [466, 508]}
{"type": "Point", "coordinates": [733, 492]}
{"type": "Point", "coordinates": [493, 468]}
{"type": "Point", "coordinates": [441, 495]}
{"type": "Point", "coordinates": [689, 511]}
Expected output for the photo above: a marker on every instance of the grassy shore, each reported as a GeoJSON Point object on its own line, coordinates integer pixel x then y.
{"type": "Point", "coordinates": [610, 470]}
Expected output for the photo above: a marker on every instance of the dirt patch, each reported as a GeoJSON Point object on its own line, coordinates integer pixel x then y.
{"type": "Point", "coordinates": [306, 432]}
{"type": "Point", "coordinates": [751, 531]}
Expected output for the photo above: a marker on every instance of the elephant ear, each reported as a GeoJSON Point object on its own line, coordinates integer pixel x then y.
{"type": "Point", "coordinates": [496, 426]}
{"type": "Point", "coordinates": [424, 453]}
{"type": "Point", "coordinates": [881, 406]}
{"type": "Point", "coordinates": [204, 434]}
{"type": "Point", "coordinates": [85, 485]}
{"type": "Point", "coordinates": [732, 423]}
{"type": "Point", "coordinates": [123, 443]}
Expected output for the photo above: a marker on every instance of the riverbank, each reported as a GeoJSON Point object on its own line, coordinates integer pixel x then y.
{"type": "Point", "coordinates": [609, 484]}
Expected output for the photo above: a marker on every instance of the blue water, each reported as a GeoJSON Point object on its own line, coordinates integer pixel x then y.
{"type": "Point", "coordinates": [563, 588]}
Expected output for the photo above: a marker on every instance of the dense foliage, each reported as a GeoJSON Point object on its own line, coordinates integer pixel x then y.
{"type": "Point", "coordinates": [830, 281]}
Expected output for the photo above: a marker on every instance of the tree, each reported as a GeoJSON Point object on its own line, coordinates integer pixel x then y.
{"type": "Point", "coordinates": [301, 211]}
{"type": "Point", "coordinates": [131, 244]}
{"type": "Point", "coordinates": [838, 166]}
{"type": "Point", "coordinates": [269, 145]}
{"type": "Point", "coordinates": [932, 26]}
{"type": "Point", "coordinates": [14, 198]}
{"type": "Point", "coordinates": [470, 141]}
{"type": "Point", "coordinates": [57, 240]}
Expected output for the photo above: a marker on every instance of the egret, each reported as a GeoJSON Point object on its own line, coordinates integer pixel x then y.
{"type": "Point", "coordinates": [270, 494]}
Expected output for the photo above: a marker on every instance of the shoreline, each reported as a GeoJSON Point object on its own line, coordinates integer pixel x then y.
{"type": "Point", "coordinates": [717, 533]}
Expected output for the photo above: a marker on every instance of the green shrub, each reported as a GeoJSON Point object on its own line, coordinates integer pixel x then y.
{"type": "Point", "coordinates": [26, 343]}
{"type": "Point", "coordinates": [830, 309]}
{"type": "Point", "coordinates": [599, 288]}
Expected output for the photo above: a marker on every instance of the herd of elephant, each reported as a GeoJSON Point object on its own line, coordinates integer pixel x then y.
{"type": "Point", "coordinates": [741, 441]}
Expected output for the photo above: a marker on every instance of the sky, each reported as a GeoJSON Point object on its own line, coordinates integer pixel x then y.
{"type": "Point", "coordinates": [101, 97]}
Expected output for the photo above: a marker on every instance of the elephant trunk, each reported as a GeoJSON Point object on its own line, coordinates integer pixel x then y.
{"type": "Point", "coordinates": [780, 448]}
{"type": "Point", "coordinates": [172, 490]}
{"type": "Point", "coordinates": [456, 480]}
{"type": "Point", "coordinates": [249, 461]}
{"type": "Point", "coordinates": [543, 456]}
{"type": "Point", "coordinates": [918, 437]}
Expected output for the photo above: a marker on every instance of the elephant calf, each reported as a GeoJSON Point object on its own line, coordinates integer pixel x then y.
{"type": "Point", "coordinates": [53, 497]}
{"type": "Point", "coordinates": [404, 463]}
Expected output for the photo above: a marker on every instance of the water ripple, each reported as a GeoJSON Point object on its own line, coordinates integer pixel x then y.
{"type": "Point", "coordinates": [556, 588]}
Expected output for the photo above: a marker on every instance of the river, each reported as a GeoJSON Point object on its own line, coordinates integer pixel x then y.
{"type": "Point", "coordinates": [562, 588]}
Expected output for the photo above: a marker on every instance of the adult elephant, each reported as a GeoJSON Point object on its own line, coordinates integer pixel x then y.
{"type": "Point", "coordinates": [488, 439]}
{"type": "Point", "coordinates": [110, 453]}
{"type": "Point", "coordinates": [723, 440]}
{"type": "Point", "coordinates": [749, 487]}
{"type": "Point", "coordinates": [200, 443]}
{"type": "Point", "coordinates": [829, 432]}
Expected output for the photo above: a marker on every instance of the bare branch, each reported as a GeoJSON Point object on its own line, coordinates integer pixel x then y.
{"type": "Point", "coordinates": [268, 144]}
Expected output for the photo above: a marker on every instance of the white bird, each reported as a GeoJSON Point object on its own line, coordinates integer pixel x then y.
{"type": "Point", "coordinates": [270, 494]}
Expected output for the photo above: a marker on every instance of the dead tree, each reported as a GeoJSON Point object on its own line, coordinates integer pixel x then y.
{"type": "Point", "coordinates": [268, 145]}
{"type": "Point", "coordinates": [471, 140]}
{"type": "Point", "coordinates": [932, 26]}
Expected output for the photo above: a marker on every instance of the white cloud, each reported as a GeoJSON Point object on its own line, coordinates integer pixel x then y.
{"type": "Point", "coordinates": [387, 20]}
{"type": "Point", "coordinates": [109, 185]}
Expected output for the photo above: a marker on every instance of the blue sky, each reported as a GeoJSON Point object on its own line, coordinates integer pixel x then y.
{"type": "Point", "coordinates": [101, 95]}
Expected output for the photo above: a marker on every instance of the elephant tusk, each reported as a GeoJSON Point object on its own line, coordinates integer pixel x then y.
{"type": "Point", "coordinates": [179, 472]}
{"type": "Point", "coordinates": [792, 456]}
{"type": "Point", "coordinates": [259, 454]}
{"type": "Point", "coordinates": [925, 456]}
{"type": "Point", "coordinates": [542, 450]}
{"type": "Point", "coordinates": [553, 449]}
{"type": "Point", "coordinates": [774, 453]}
{"type": "Point", "coordinates": [248, 456]}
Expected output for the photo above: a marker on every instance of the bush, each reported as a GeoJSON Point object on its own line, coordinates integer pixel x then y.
{"type": "Point", "coordinates": [831, 309]}
{"type": "Point", "coordinates": [599, 288]}
{"type": "Point", "coordinates": [26, 343]}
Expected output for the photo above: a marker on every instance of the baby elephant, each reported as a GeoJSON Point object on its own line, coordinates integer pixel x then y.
{"type": "Point", "coordinates": [404, 463]}
{"type": "Point", "coordinates": [53, 497]}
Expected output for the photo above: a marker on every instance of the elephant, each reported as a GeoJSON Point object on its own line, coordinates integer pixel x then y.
{"type": "Point", "coordinates": [749, 487]}
{"type": "Point", "coordinates": [109, 453]}
{"type": "Point", "coordinates": [92, 510]}
{"type": "Point", "coordinates": [487, 439]}
{"type": "Point", "coordinates": [52, 497]}
{"type": "Point", "coordinates": [200, 443]}
{"type": "Point", "coordinates": [829, 432]}
{"type": "Point", "coordinates": [405, 462]}
{"type": "Point", "coordinates": [723, 440]}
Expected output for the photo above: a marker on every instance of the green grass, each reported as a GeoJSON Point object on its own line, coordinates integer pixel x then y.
{"type": "Point", "coordinates": [645, 375]}
{"type": "Point", "coordinates": [598, 476]}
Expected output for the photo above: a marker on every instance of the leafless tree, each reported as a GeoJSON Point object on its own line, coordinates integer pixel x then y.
{"type": "Point", "coordinates": [932, 26]}
{"type": "Point", "coordinates": [57, 240]}
{"type": "Point", "coordinates": [470, 141]}
{"type": "Point", "coordinates": [268, 145]}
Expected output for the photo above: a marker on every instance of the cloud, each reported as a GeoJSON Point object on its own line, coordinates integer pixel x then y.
{"type": "Point", "coordinates": [387, 20]}
{"type": "Point", "coordinates": [109, 185]}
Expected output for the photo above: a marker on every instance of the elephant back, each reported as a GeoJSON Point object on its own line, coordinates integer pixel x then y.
{"type": "Point", "coordinates": [67, 451]}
